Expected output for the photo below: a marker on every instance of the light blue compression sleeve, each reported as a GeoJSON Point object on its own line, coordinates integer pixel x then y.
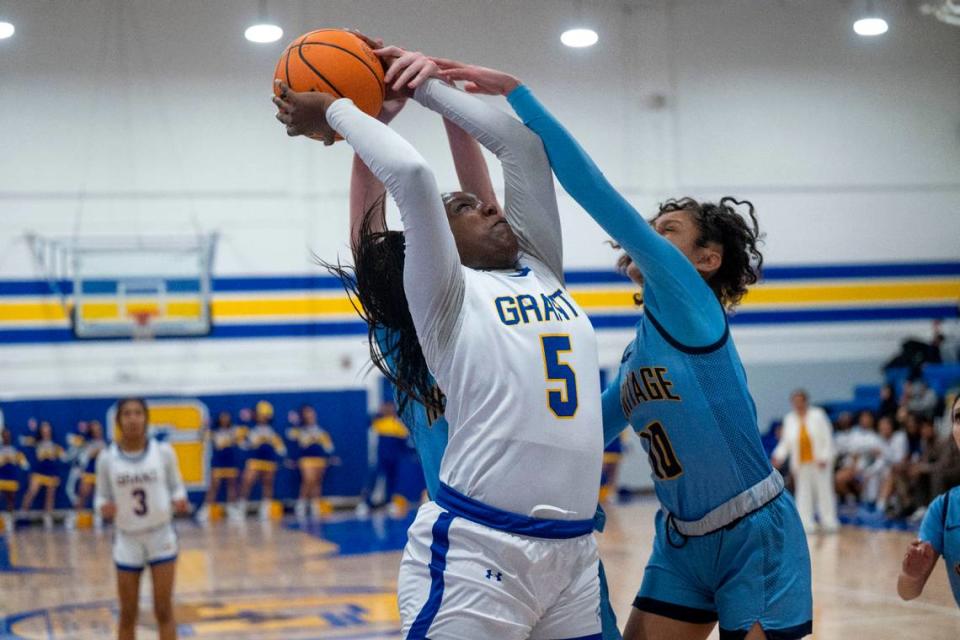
{"type": "Point", "coordinates": [674, 292]}
{"type": "Point", "coordinates": [614, 421]}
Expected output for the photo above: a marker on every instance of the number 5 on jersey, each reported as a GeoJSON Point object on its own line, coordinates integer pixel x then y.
{"type": "Point", "coordinates": [563, 401]}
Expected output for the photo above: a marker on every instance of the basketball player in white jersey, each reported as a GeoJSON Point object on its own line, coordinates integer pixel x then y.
{"type": "Point", "coordinates": [505, 549]}
{"type": "Point", "coordinates": [139, 486]}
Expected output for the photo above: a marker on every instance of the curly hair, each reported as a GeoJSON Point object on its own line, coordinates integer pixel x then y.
{"type": "Point", "coordinates": [374, 285]}
{"type": "Point", "coordinates": [739, 235]}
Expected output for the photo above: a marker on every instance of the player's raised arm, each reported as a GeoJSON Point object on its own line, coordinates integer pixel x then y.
{"type": "Point", "coordinates": [366, 190]}
{"type": "Point", "coordinates": [433, 280]}
{"type": "Point", "coordinates": [530, 203]}
{"type": "Point", "coordinates": [673, 287]}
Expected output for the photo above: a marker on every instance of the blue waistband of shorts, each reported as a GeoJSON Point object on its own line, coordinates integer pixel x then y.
{"type": "Point", "coordinates": [465, 507]}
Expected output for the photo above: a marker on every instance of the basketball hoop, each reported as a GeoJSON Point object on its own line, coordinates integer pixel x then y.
{"type": "Point", "coordinates": [142, 323]}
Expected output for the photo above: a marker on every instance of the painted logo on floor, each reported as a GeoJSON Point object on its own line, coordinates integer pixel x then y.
{"type": "Point", "coordinates": [301, 613]}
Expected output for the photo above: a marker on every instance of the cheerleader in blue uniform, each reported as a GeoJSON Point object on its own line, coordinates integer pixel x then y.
{"type": "Point", "coordinates": [86, 463]}
{"type": "Point", "coordinates": [225, 440]}
{"type": "Point", "coordinates": [314, 449]}
{"type": "Point", "coordinates": [265, 448]}
{"type": "Point", "coordinates": [12, 461]}
{"type": "Point", "coordinates": [46, 472]}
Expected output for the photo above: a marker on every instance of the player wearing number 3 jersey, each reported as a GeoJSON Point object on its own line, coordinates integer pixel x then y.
{"type": "Point", "coordinates": [139, 486]}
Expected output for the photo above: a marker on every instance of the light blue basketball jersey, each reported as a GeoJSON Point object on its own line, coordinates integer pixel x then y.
{"type": "Point", "coordinates": [941, 528]}
{"type": "Point", "coordinates": [694, 414]}
{"type": "Point", "coordinates": [427, 428]}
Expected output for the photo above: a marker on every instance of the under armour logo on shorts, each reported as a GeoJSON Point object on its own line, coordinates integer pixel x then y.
{"type": "Point", "coordinates": [491, 575]}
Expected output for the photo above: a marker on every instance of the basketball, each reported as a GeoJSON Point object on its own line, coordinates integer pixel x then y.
{"type": "Point", "coordinates": [336, 62]}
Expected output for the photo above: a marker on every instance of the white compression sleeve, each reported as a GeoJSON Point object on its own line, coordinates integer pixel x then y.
{"type": "Point", "coordinates": [530, 202]}
{"type": "Point", "coordinates": [432, 274]}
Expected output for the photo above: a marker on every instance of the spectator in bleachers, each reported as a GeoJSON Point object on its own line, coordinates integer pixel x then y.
{"type": "Point", "coordinates": [12, 461]}
{"type": "Point", "coordinates": [919, 398]}
{"type": "Point", "coordinates": [924, 475]}
{"type": "Point", "coordinates": [893, 451]}
{"type": "Point", "coordinates": [46, 472]}
{"type": "Point", "coordinates": [888, 402]}
{"type": "Point", "coordinates": [808, 443]}
{"type": "Point", "coordinates": [857, 450]}
{"type": "Point", "coordinates": [841, 432]}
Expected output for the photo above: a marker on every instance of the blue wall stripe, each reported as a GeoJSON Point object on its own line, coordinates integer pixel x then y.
{"type": "Point", "coordinates": [855, 314]}
{"type": "Point", "coordinates": [600, 321]}
{"type": "Point", "coordinates": [438, 564]}
{"type": "Point", "coordinates": [577, 277]}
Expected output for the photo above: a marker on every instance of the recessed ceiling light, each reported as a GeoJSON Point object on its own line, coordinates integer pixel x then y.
{"type": "Point", "coordinates": [263, 33]}
{"type": "Point", "coordinates": [6, 30]}
{"type": "Point", "coordinates": [870, 26]}
{"type": "Point", "coordinates": [579, 38]}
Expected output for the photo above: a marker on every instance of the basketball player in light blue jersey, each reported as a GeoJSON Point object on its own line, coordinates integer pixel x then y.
{"type": "Point", "coordinates": [729, 545]}
{"type": "Point", "coordinates": [505, 550]}
{"type": "Point", "coordinates": [423, 418]}
{"type": "Point", "coordinates": [939, 536]}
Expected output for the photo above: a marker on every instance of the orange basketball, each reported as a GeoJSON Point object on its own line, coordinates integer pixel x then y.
{"type": "Point", "coordinates": [336, 62]}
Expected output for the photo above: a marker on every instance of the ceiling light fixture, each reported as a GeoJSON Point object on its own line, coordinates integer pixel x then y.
{"type": "Point", "coordinates": [870, 23]}
{"type": "Point", "coordinates": [265, 31]}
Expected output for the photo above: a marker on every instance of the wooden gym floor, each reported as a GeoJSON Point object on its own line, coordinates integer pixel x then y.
{"type": "Point", "coordinates": [337, 580]}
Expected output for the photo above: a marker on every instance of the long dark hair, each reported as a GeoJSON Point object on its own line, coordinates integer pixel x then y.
{"type": "Point", "coordinates": [740, 236]}
{"type": "Point", "coordinates": [374, 285]}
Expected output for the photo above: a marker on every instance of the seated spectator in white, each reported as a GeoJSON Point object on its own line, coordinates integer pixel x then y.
{"type": "Point", "coordinates": [861, 446]}
{"type": "Point", "coordinates": [842, 432]}
{"type": "Point", "coordinates": [927, 474]}
{"type": "Point", "coordinates": [919, 398]}
{"type": "Point", "coordinates": [878, 477]}
{"type": "Point", "coordinates": [808, 443]}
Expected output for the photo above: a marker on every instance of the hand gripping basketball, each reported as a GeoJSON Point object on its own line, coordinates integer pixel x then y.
{"type": "Point", "coordinates": [304, 114]}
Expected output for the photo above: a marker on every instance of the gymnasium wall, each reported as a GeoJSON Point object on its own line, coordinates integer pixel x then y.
{"type": "Point", "coordinates": [153, 117]}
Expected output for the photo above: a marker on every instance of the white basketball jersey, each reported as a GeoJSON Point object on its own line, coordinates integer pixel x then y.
{"type": "Point", "coordinates": [523, 396]}
{"type": "Point", "coordinates": [141, 485]}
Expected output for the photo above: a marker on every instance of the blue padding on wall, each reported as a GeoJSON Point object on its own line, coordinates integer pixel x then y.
{"type": "Point", "coordinates": [174, 285]}
{"type": "Point", "coordinates": [343, 413]}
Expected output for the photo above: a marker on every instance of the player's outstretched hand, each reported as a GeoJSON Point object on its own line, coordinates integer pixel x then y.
{"type": "Point", "coordinates": [919, 560]}
{"type": "Point", "coordinates": [478, 79]}
{"type": "Point", "coordinates": [181, 506]}
{"type": "Point", "coordinates": [406, 70]}
{"type": "Point", "coordinates": [304, 113]}
{"type": "Point", "coordinates": [108, 510]}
